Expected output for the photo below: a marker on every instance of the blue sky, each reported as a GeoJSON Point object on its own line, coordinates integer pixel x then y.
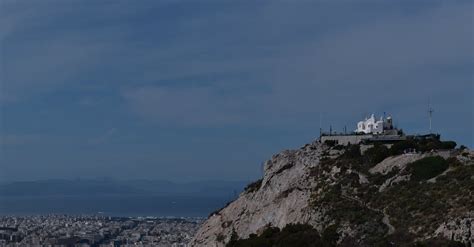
{"type": "Point", "coordinates": [197, 90]}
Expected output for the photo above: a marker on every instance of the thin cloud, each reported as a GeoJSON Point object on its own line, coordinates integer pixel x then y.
{"type": "Point", "coordinates": [12, 140]}
{"type": "Point", "coordinates": [370, 62]}
{"type": "Point", "coordinates": [185, 107]}
{"type": "Point", "coordinates": [162, 73]}
{"type": "Point", "coordinates": [107, 136]}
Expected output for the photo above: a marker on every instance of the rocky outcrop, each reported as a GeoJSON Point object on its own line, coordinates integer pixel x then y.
{"type": "Point", "coordinates": [279, 199]}
{"type": "Point", "coordinates": [328, 186]}
{"type": "Point", "coordinates": [461, 229]}
{"type": "Point", "coordinates": [396, 162]}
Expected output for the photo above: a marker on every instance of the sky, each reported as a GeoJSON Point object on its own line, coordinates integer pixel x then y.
{"type": "Point", "coordinates": [209, 90]}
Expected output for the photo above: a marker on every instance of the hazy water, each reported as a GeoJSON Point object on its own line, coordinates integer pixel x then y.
{"type": "Point", "coordinates": [123, 205]}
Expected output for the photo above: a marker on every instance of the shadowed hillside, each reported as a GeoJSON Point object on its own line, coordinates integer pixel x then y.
{"type": "Point", "coordinates": [356, 195]}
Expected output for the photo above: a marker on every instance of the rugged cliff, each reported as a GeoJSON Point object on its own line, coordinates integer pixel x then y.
{"type": "Point", "coordinates": [367, 195]}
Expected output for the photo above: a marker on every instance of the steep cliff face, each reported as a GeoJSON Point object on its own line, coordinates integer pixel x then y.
{"type": "Point", "coordinates": [402, 198]}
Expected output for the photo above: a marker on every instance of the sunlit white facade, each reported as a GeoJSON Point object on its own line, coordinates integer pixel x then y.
{"type": "Point", "coordinates": [374, 126]}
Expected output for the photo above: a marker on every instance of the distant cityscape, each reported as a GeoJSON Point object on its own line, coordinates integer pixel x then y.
{"type": "Point", "coordinates": [67, 230]}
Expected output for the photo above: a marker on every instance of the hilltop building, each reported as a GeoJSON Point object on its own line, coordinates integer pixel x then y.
{"type": "Point", "coordinates": [368, 130]}
{"type": "Point", "coordinates": [373, 126]}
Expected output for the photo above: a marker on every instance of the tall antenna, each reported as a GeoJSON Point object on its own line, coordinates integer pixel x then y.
{"type": "Point", "coordinates": [320, 125]}
{"type": "Point", "coordinates": [430, 112]}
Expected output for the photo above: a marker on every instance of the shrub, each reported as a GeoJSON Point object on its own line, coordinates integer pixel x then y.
{"type": "Point", "coordinates": [428, 145]}
{"type": "Point", "coordinates": [401, 237]}
{"type": "Point", "coordinates": [424, 145]}
{"type": "Point", "coordinates": [376, 154]}
{"type": "Point", "coordinates": [220, 238]}
{"type": "Point", "coordinates": [292, 235]}
{"type": "Point", "coordinates": [285, 167]}
{"type": "Point", "coordinates": [254, 186]}
{"type": "Point", "coordinates": [428, 167]}
{"type": "Point", "coordinates": [330, 235]}
{"type": "Point", "coordinates": [298, 235]}
{"type": "Point", "coordinates": [339, 147]}
{"type": "Point", "coordinates": [453, 162]}
{"type": "Point", "coordinates": [400, 147]}
{"type": "Point", "coordinates": [379, 179]}
{"type": "Point", "coordinates": [439, 242]}
{"type": "Point", "coordinates": [448, 145]}
{"type": "Point", "coordinates": [330, 143]}
{"type": "Point", "coordinates": [352, 152]}
{"type": "Point", "coordinates": [220, 209]}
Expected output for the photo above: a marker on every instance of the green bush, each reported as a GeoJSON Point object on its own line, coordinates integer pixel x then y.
{"type": "Point", "coordinates": [424, 145]}
{"type": "Point", "coordinates": [439, 243]}
{"type": "Point", "coordinates": [376, 154]}
{"type": "Point", "coordinates": [352, 152]}
{"type": "Point", "coordinates": [448, 145]}
{"type": "Point", "coordinates": [220, 209]}
{"type": "Point", "coordinates": [428, 145]}
{"type": "Point", "coordinates": [330, 143]}
{"type": "Point", "coordinates": [400, 147]}
{"type": "Point", "coordinates": [330, 235]}
{"type": "Point", "coordinates": [453, 162]}
{"type": "Point", "coordinates": [427, 168]}
{"type": "Point", "coordinates": [338, 147]}
{"type": "Point", "coordinates": [292, 235]}
{"type": "Point", "coordinates": [220, 238]}
{"type": "Point", "coordinates": [254, 186]}
{"type": "Point", "coordinates": [285, 167]}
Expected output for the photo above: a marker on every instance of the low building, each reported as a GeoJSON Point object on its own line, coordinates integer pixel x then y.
{"type": "Point", "coordinates": [373, 126]}
{"type": "Point", "coordinates": [368, 130]}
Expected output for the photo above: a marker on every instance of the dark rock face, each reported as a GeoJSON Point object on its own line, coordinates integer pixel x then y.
{"type": "Point", "coordinates": [370, 198]}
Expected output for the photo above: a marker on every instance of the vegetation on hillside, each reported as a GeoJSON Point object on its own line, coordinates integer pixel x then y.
{"type": "Point", "coordinates": [350, 197]}
{"type": "Point", "coordinates": [253, 186]}
{"type": "Point", "coordinates": [416, 205]}
{"type": "Point", "coordinates": [304, 235]}
{"type": "Point", "coordinates": [292, 235]}
{"type": "Point", "coordinates": [425, 145]}
{"type": "Point", "coordinates": [412, 207]}
{"type": "Point", "coordinates": [427, 168]}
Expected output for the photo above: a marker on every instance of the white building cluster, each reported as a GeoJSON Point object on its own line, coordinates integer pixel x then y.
{"type": "Point", "coordinates": [370, 130]}
{"type": "Point", "coordinates": [373, 126]}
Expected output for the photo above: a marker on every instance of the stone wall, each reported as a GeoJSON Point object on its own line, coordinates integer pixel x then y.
{"type": "Point", "coordinates": [346, 139]}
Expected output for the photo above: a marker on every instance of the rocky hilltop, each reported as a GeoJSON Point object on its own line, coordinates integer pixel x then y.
{"type": "Point", "coordinates": [357, 195]}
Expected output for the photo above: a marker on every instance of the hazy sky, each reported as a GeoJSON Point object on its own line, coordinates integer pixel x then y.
{"type": "Point", "coordinates": [193, 90]}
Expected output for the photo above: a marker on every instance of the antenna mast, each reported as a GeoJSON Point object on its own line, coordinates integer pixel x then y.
{"type": "Point", "coordinates": [320, 125]}
{"type": "Point", "coordinates": [430, 112]}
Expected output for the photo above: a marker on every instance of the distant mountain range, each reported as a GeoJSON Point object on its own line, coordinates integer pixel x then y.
{"type": "Point", "coordinates": [58, 187]}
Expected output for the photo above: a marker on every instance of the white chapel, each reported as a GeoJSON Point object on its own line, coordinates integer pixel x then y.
{"type": "Point", "coordinates": [374, 126]}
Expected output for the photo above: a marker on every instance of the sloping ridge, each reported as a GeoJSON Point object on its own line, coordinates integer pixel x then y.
{"type": "Point", "coordinates": [322, 186]}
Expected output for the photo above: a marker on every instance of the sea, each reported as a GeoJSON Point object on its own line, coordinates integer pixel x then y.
{"type": "Point", "coordinates": [112, 205]}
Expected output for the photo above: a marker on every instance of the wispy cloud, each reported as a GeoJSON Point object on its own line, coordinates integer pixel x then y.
{"type": "Point", "coordinates": [108, 135]}
{"type": "Point", "coordinates": [397, 55]}
{"type": "Point", "coordinates": [12, 140]}
{"type": "Point", "coordinates": [140, 74]}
